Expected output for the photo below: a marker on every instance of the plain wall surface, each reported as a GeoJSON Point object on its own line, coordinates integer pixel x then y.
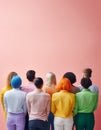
{"type": "Point", "coordinates": [50, 35]}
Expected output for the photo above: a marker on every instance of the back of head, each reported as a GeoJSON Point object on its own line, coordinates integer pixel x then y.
{"type": "Point", "coordinates": [16, 82]}
{"type": "Point", "coordinates": [30, 75]}
{"type": "Point", "coordinates": [87, 72]}
{"type": "Point", "coordinates": [71, 76]}
{"type": "Point", "coordinates": [9, 77]}
{"type": "Point", "coordinates": [86, 82]}
{"type": "Point", "coordinates": [64, 84]}
{"type": "Point", "coordinates": [38, 82]}
{"type": "Point", "coordinates": [50, 79]}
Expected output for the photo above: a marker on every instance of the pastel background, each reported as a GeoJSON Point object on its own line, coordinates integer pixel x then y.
{"type": "Point", "coordinates": [50, 35]}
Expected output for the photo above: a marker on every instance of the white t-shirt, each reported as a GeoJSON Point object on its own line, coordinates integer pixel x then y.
{"type": "Point", "coordinates": [93, 88]}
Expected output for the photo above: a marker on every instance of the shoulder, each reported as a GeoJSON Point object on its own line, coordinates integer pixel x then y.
{"type": "Point", "coordinates": [72, 94]}
{"type": "Point", "coordinates": [30, 94]}
{"type": "Point", "coordinates": [94, 88]}
{"type": "Point", "coordinates": [4, 89]}
{"type": "Point", "coordinates": [44, 88]}
{"type": "Point", "coordinates": [46, 94]}
{"type": "Point", "coordinates": [23, 92]}
{"type": "Point", "coordinates": [79, 93]}
{"type": "Point", "coordinates": [80, 87]}
{"type": "Point", "coordinates": [56, 94]}
{"type": "Point", "coordinates": [7, 92]}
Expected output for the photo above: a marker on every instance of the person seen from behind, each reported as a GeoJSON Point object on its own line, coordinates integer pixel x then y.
{"type": "Point", "coordinates": [72, 77]}
{"type": "Point", "coordinates": [62, 106]}
{"type": "Point", "coordinates": [5, 89]}
{"type": "Point", "coordinates": [87, 73]}
{"type": "Point", "coordinates": [29, 87]}
{"type": "Point", "coordinates": [86, 104]}
{"type": "Point", "coordinates": [15, 105]}
{"type": "Point", "coordinates": [38, 106]}
{"type": "Point", "coordinates": [50, 88]}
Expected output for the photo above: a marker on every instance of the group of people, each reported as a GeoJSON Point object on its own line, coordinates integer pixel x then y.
{"type": "Point", "coordinates": [48, 105]}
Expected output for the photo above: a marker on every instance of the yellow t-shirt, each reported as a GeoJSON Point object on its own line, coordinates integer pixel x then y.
{"type": "Point", "coordinates": [63, 103]}
{"type": "Point", "coordinates": [5, 89]}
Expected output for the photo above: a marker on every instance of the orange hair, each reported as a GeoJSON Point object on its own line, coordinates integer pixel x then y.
{"type": "Point", "coordinates": [64, 84]}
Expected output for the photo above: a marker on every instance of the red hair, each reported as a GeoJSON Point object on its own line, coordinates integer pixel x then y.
{"type": "Point", "coordinates": [64, 84]}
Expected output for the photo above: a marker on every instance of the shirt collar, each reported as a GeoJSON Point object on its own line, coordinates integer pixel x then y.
{"type": "Point", "coordinates": [64, 91]}
{"type": "Point", "coordinates": [16, 88]}
{"type": "Point", "coordinates": [38, 90]}
{"type": "Point", "coordinates": [85, 89]}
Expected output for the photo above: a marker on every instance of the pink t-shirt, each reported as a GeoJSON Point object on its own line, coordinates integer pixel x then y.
{"type": "Point", "coordinates": [38, 104]}
{"type": "Point", "coordinates": [29, 87]}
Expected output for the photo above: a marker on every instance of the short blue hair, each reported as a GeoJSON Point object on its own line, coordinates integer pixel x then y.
{"type": "Point", "coordinates": [16, 82]}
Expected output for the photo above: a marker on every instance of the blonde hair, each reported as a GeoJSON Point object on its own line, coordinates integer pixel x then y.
{"type": "Point", "coordinates": [50, 79]}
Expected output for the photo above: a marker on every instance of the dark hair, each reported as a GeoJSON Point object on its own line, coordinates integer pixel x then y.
{"type": "Point", "coordinates": [30, 75]}
{"type": "Point", "coordinates": [38, 82]}
{"type": "Point", "coordinates": [86, 82]}
{"type": "Point", "coordinates": [71, 76]}
{"type": "Point", "coordinates": [87, 72]}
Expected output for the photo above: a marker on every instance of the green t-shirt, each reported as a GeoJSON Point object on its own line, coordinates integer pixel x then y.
{"type": "Point", "coordinates": [86, 102]}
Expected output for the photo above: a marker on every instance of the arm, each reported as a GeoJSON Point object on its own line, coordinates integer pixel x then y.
{"type": "Point", "coordinates": [73, 102]}
{"type": "Point", "coordinates": [53, 108]}
{"type": "Point", "coordinates": [76, 106]}
{"type": "Point", "coordinates": [96, 102]}
{"type": "Point", "coordinates": [48, 105]}
{"type": "Point", "coordinates": [24, 105]}
{"type": "Point", "coordinates": [5, 103]}
{"type": "Point", "coordinates": [2, 99]}
{"type": "Point", "coordinates": [28, 105]}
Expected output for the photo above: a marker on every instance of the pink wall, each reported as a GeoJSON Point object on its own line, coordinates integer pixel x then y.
{"type": "Point", "coordinates": [55, 35]}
